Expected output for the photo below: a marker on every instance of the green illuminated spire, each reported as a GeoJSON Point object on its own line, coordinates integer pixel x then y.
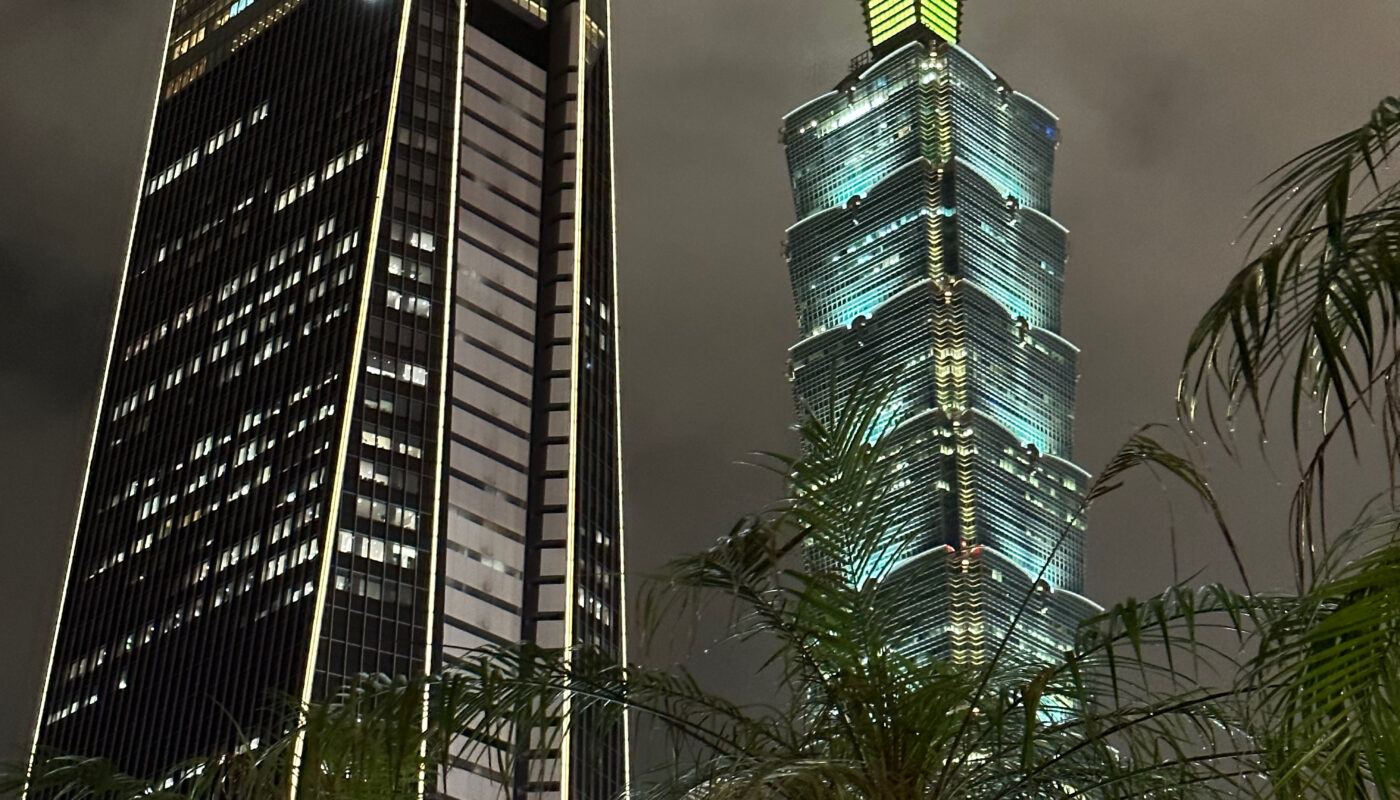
{"type": "Point", "coordinates": [886, 18]}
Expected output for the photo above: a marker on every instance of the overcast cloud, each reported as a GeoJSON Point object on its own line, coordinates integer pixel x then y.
{"type": "Point", "coordinates": [1170, 114]}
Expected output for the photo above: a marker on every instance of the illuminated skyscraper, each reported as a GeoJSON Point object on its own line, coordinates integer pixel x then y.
{"type": "Point", "coordinates": [925, 247]}
{"type": "Point", "coordinates": [360, 405]}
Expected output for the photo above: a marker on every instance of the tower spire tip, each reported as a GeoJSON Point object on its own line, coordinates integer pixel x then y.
{"type": "Point", "coordinates": [885, 19]}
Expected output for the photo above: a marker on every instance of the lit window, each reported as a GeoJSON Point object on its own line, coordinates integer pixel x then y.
{"type": "Point", "coordinates": [295, 192]}
{"type": "Point", "coordinates": [422, 273]}
{"type": "Point", "coordinates": [400, 301]}
{"type": "Point", "coordinates": [338, 164]}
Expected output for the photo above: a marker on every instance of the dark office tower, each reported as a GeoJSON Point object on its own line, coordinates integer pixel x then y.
{"type": "Point", "coordinates": [360, 407]}
{"type": "Point", "coordinates": [926, 249]}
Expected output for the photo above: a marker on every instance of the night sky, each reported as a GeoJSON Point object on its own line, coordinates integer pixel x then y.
{"type": "Point", "coordinates": [1171, 113]}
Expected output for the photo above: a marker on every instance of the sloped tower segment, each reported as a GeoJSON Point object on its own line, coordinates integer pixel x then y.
{"type": "Point", "coordinates": [925, 248]}
{"type": "Point", "coordinates": [360, 411]}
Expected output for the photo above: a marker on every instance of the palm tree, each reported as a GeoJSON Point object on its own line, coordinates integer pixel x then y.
{"type": "Point", "coordinates": [1312, 324]}
{"type": "Point", "coordinates": [851, 716]}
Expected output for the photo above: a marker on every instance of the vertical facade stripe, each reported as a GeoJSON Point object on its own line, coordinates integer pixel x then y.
{"type": "Point", "coordinates": [621, 615]}
{"type": "Point", "coordinates": [575, 361]}
{"type": "Point", "coordinates": [340, 465]}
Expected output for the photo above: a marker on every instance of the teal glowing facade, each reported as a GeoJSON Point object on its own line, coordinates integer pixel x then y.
{"type": "Point", "coordinates": [925, 247]}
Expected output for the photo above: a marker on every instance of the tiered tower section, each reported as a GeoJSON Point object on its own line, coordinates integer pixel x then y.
{"type": "Point", "coordinates": [926, 249]}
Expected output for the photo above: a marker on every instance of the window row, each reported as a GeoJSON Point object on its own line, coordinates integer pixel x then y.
{"type": "Point", "coordinates": [376, 364]}
{"type": "Point", "coordinates": [377, 550]}
{"type": "Point", "coordinates": [215, 142]}
{"type": "Point", "coordinates": [388, 513]}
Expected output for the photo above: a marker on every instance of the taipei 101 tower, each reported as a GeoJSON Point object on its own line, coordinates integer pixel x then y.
{"type": "Point", "coordinates": [925, 248]}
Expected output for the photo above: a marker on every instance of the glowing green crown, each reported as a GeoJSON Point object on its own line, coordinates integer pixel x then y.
{"type": "Point", "coordinates": [886, 18]}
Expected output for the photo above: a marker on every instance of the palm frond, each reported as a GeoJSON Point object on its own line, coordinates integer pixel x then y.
{"type": "Point", "coordinates": [1310, 322]}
